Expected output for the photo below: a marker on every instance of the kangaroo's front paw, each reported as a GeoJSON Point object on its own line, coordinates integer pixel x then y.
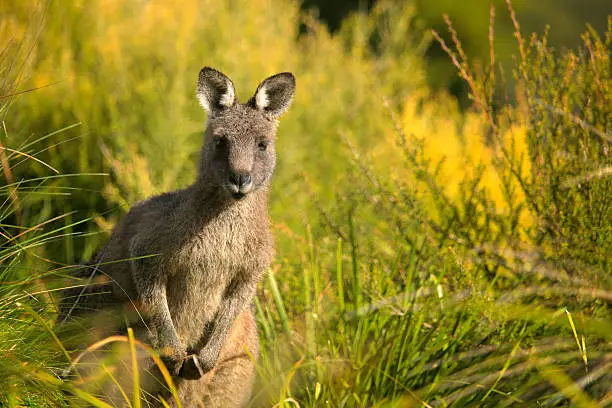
{"type": "Point", "coordinates": [172, 364]}
{"type": "Point", "coordinates": [173, 359]}
{"type": "Point", "coordinates": [194, 367]}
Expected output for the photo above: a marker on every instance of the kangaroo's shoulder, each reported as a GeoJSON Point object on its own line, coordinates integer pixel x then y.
{"type": "Point", "coordinates": [161, 204]}
{"type": "Point", "coordinates": [156, 211]}
{"type": "Point", "coordinates": [151, 219]}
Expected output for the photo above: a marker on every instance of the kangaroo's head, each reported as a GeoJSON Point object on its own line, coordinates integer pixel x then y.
{"type": "Point", "coordinates": [238, 155]}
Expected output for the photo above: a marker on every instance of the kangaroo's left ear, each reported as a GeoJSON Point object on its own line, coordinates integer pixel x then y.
{"type": "Point", "coordinates": [274, 95]}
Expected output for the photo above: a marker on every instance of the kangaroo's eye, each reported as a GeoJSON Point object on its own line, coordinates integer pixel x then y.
{"type": "Point", "coordinates": [262, 146]}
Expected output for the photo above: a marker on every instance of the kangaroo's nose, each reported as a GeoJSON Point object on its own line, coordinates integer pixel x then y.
{"type": "Point", "coordinates": [240, 179]}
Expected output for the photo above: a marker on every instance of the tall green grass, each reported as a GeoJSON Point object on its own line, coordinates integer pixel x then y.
{"type": "Point", "coordinates": [408, 273]}
{"type": "Point", "coordinates": [29, 349]}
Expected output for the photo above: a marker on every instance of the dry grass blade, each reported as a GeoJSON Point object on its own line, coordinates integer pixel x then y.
{"type": "Point", "coordinates": [517, 31]}
{"type": "Point", "coordinates": [581, 349]}
{"type": "Point", "coordinates": [135, 372]}
{"type": "Point", "coordinates": [19, 153]}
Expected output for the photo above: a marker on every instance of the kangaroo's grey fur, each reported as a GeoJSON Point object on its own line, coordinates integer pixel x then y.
{"type": "Point", "coordinates": [195, 255]}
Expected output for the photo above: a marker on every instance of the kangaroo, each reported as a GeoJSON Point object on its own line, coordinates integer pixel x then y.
{"type": "Point", "coordinates": [194, 256]}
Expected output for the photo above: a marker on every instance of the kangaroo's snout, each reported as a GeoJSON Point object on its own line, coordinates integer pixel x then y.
{"type": "Point", "coordinates": [240, 183]}
{"type": "Point", "coordinates": [240, 179]}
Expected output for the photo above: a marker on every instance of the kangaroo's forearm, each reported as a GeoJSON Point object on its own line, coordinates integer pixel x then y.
{"type": "Point", "coordinates": [161, 321]}
{"type": "Point", "coordinates": [232, 305]}
{"type": "Point", "coordinates": [155, 307]}
{"type": "Point", "coordinates": [150, 285]}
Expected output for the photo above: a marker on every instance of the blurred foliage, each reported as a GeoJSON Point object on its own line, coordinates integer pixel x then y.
{"type": "Point", "coordinates": [567, 18]}
{"type": "Point", "coordinates": [426, 253]}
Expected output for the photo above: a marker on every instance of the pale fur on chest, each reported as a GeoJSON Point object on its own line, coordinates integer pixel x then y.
{"type": "Point", "coordinates": [203, 265]}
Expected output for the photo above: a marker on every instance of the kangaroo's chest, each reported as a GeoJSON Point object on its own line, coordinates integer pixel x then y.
{"type": "Point", "coordinates": [216, 252]}
{"type": "Point", "coordinates": [203, 266]}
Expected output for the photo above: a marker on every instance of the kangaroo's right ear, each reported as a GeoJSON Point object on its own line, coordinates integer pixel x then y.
{"type": "Point", "coordinates": [274, 95]}
{"type": "Point", "coordinates": [215, 90]}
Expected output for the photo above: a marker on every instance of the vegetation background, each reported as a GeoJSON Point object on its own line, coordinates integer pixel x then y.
{"type": "Point", "coordinates": [441, 205]}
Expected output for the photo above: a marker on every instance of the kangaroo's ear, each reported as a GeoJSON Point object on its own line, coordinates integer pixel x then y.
{"type": "Point", "coordinates": [274, 95]}
{"type": "Point", "coordinates": [215, 90]}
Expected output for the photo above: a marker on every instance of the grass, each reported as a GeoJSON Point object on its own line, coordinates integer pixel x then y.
{"type": "Point", "coordinates": [426, 256]}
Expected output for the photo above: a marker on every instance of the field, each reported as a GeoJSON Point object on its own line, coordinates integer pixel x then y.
{"type": "Point", "coordinates": [427, 255]}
